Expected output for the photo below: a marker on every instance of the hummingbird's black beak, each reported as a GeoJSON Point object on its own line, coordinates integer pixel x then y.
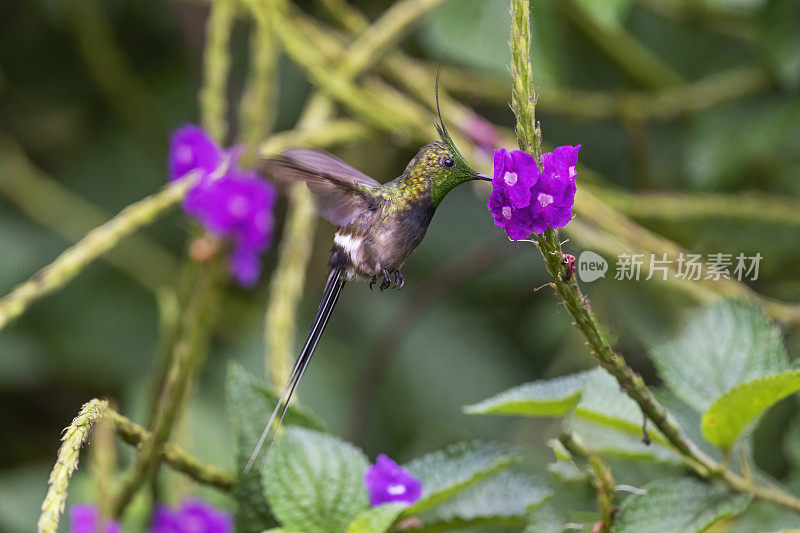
{"type": "Point", "coordinates": [482, 176]}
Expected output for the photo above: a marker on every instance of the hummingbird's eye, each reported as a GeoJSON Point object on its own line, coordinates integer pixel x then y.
{"type": "Point", "coordinates": [447, 162]}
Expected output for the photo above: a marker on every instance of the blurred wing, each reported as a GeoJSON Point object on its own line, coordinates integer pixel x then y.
{"type": "Point", "coordinates": [340, 191]}
{"type": "Point", "coordinates": [325, 163]}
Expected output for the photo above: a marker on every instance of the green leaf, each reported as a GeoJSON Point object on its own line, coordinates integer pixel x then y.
{"type": "Point", "coordinates": [567, 472]}
{"type": "Point", "coordinates": [504, 499]}
{"type": "Point", "coordinates": [733, 411]}
{"type": "Point", "coordinates": [609, 441]}
{"type": "Point", "coordinates": [686, 505]}
{"type": "Point", "coordinates": [762, 516]}
{"type": "Point", "coordinates": [447, 472]}
{"type": "Point", "coordinates": [544, 519]}
{"type": "Point", "coordinates": [688, 418]}
{"type": "Point", "coordinates": [720, 347]}
{"type": "Point", "coordinates": [549, 397]}
{"type": "Point", "coordinates": [605, 403]}
{"type": "Point", "coordinates": [249, 403]}
{"type": "Point", "coordinates": [377, 519]}
{"type": "Point", "coordinates": [314, 482]}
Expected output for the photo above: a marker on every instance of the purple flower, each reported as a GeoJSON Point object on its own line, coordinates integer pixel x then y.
{"type": "Point", "coordinates": [515, 174]}
{"type": "Point", "coordinates": [525, 199]}
{"type": "Point", "coordinates": [190, 148]}
{"type": "Point", "coordinates": [193, 516]}
{"type": "Point", "coordinates": [85, 518]}
{"type": "Point", "coordinates": [387, 482]}
{"type": "Point", "coordinates": [554, 194]}
{"type": "Point", "coordinates": [231, 203]}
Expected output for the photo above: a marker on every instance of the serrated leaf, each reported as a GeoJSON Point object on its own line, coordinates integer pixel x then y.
{"type": "Point", "coordinates": [720, 347]}
{"type": "Point", "coordinates": [566, 472]}
{"type": "Point", "coordinates": [250, 402]}
{"type": "Point", "coordinates": [377, 519]}
{"type": "Point", "coordinates": [549, 397]}
{"type": "Point", "coordinates": [688, 418]}
{"type": "Point", "coordinates": [609, 441]}
{"type": "Point", "coordinates": [762, 516]}
{"type": "Point", "coordinates": [685, 505]}
{"type": "Point", "coordinates": [504, 499]}
{"type": "Point", "coordinates": [733, 411]}
{"type": "Point", "coordinates": [314, 482]}
{"type": "Point", "coordinates": [544, 519]}
{"type": "Point", "coordinates": [447, 472]}
{"type": "Point", "coordinates": [605, 403]}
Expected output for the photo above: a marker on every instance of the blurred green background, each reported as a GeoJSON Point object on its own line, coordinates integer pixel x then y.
{"type": "Point", "coordinates": [89, 91]}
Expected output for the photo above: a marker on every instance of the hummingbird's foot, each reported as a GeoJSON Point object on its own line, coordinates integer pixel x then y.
{"type": "Point", "coordinates": [374, 280]}
{"type": "Point", "coordinates": [399, 280]}
{"type": "Point", "coordinates": [387, 280]}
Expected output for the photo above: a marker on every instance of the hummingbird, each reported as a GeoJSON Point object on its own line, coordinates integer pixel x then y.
{"type": "Point", "coordinates": [378, 225]}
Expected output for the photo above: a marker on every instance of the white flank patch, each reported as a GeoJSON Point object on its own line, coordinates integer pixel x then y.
{"type": "Point", "coordinates": [349, 243]}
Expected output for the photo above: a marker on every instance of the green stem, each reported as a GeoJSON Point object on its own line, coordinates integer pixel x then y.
{"type": "Point", "coordinates": [68, 454]}
{"type": "Point", "coordinates": [603, 483]}
{"type": "Point", "coordinates": [586, 321]}
{"type": "Point", "coordinates": [97, 242]}
{"type": "Point", "coordinates": [50, 204]}
{"type": "Point", "coordinates": [217, 63]}
{"type": "Point", "coordinates": [257, 108]}
{"type": "Point", "coordinates": [619, 234]}
{"type": "Point", "coordinates": [103, 465]}
{"type": "Point", "coordinates": [172, 455]}
{"type": "Point", "coordinates": [667, 104]}
{"type": "Point", "coordinates": [694, 207]}
{"type": "Point", "coordinates": [361, 102]}
{"type": "Point", "coordinates": [187, 355]}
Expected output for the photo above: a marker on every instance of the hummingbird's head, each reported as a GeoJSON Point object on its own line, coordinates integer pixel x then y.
{"type": "Point", "coordinates": [442, 163]}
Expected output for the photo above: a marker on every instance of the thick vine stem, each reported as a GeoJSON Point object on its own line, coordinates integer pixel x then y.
{"type": "Point", "coordinates": [172, 455]}
{"type": "Point", "coordinates": [187, 354]}
{"type": "Point", "coordinates": [72, 440]}
{"type": "Point", "coordinates": [577, 304]}
{"type": "Point", "coordinates": [97, 242]}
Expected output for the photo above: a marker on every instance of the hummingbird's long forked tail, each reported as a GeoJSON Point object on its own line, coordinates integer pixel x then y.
{"type": "Point", "coordinates": [329, 297]}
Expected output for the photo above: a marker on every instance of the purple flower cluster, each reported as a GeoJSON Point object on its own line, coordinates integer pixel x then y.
{"type": "Point", "coordinates": [85, 518]}
{"type": "Point", "coordinates": [526, 199]}
{"type": "Point", "coordinates": [230, 203]}
{"type": "Point", "coordinates": [193, 516]}
{"type": "Point", "coordinates": [387, 482]}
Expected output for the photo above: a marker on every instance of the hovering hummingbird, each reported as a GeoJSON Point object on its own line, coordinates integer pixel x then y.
{"type": "Point", "coordinates": [379, 225]}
